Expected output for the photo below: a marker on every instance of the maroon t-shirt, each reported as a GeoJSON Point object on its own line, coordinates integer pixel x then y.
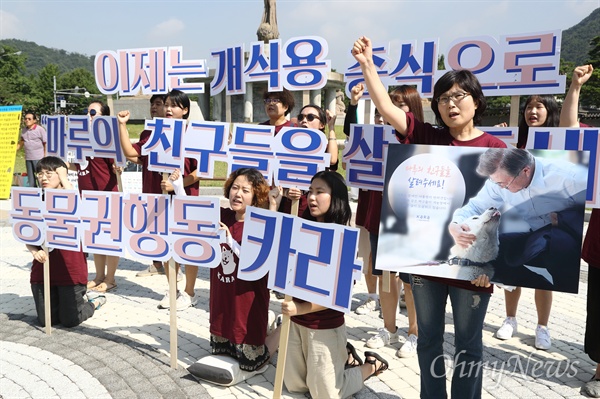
{"type": "Point", "coordinates": [66, 268]}
{"type": "Point", "coordinates": [97, 176]}
{"type": "Point", "coordinates": [373, 214]}
{"type": "Point", "coordinates": [151, 180]}
{"type": "Point", "coordinates": [591, 246]}
{"type": "Point", "coordinates": [238, 308]}
{"type": "Point", "coordinates": [286, 204]}
{"type": "Point", "coordinates": [424, 133]}
{"type": "Point", "coordinates": [362, 208]}
{"type": "Point", "coordinates": [322, 320]}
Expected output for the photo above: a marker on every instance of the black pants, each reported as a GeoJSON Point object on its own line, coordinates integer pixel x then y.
{"type": "Point", "coordinates": [592, 321]}
{"type": "Point", "coordinates": [67, 305]}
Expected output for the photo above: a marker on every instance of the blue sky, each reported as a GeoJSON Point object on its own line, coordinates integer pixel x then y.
{"type": "Point", "coordinates": [88, 26]}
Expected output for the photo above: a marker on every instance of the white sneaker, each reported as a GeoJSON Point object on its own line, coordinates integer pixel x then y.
{"type": "Point", "coordinates": [368, 306]}
{"type": "Point", "coordinates": [184, 301]}
{"type": "Point", "coordinates": [382, 338]}
{"type": "Point", "coordinates": [409, 348]}
{"type": "Point", "coordinates": [165, 303]}
{"type": "Point", "coordinates": [152, 270]}
{"type": "Point", "coordinates": [507, 329]}
{"type": "Point", "coordinates": [542, 338]}
{"type": "Point", "coordinates": [271, 322]}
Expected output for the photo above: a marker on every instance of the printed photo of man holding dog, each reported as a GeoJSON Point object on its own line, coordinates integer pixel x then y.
{"type": "Point", "coordinates": [542, 202]}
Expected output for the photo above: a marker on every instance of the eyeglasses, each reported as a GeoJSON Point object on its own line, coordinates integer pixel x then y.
{"type": "Point", "coordinates": [272, 100]}
{"type": "Point", "coordinates": [309, 117]}
{"type": "Point", "coordinates": [92, 112]}
{"type": "Point", "coordinates": [47, 173]}
{"type": "Point", "coordinates": [456, 98]}
{"type": "Point", "coordinates": [506, 186]}
{"type": "Point", "coordinates": [28, 119]}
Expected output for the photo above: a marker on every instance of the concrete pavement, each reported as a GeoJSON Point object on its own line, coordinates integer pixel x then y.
{"type": "Point", "coordinates": [123, 351]}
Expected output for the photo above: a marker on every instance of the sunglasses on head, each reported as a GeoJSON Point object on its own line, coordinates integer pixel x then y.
{"type": "Point", "coordinates": [309, 117]}
{"type": "Point", "coordinates": [92, 112]}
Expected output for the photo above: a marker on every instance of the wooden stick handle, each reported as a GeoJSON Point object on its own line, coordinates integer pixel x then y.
{"type": "Point", "coordinates": [47, 310]}
{"type": "Point", "coordinates": [282, 354]}
{"type": "Point", "coordinates": [283, 338]}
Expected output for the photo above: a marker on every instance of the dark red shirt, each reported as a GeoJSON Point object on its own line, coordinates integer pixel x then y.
{"type": "Point", "coordinates": [591, 246]}
{"type": "Point", "coordinates": [424, 133]}
{"type": "Point", "coordinates": [151, 180]}
{"type": "Point", "coordinates": [66, 268]}
{"type": "Point", "coordinates": [322, 320]}
{"type": "Point", "coordinates": [238, 308]}
{"type": "Point", "coordinates": [97, 176]}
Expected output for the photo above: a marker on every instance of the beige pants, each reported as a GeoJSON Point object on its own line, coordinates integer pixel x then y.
{"type": "Point", "coordinates": [315, 362]}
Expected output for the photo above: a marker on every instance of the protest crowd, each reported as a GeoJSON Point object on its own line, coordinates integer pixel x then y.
{"type": "Point", "coordinates": [319, 359]}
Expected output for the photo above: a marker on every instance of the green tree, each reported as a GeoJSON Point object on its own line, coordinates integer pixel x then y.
{"type": "Point", "coordinates": [590, 92]}
{"type": "Point", "coordinates": [44, 87]}
{"type": "Point", "coordinates": [14, 86]}
{"type": "Point", "coordinates": [78, 81]}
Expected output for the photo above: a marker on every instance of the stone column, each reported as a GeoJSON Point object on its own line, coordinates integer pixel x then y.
{"type": "Point", "coordinates": [227, 107]}
{"type": "Point", "coordinates": [204, 104]}
{"type": "Point", "coordinates": [218, 106]}
{"type": "Point", "coordinates": [248, 107]}
{"type": "Point", "coordinates": [315, 97]}
{"type": "Point", "coordinates": [330, 100]}
{"type": "Point", "coordinates": [305, 99]}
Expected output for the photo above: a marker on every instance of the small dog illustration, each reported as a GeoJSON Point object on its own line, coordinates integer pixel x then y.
{"type": "Point", "coordinates": [474, 260]}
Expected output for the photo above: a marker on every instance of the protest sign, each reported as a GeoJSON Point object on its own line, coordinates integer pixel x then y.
{"type": "Point", "coordinates": [26, 215]}
{"type": "Point", "coordinates": [584, 139]}
{"type": "Point", "coordinates": [313, 261]}
{"type": "Point", "coordinates": [299, 64]}
{"type": "Point", "coordinates": [147, 226]}
{"type": "Point", "coordinates": [516, 64]}
{"type": "Point", "coordinates": [10, 124]}
{"type": "Point", "coordinates": [365, 153]}
{"type": "Point", "coordinates": [429, 187]}
{"type": "Point", "coordinates": [78, 136]}
{"type": "Point", "coordinates": [155, 70]}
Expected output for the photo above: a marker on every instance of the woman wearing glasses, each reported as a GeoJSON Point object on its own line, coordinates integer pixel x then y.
{"type": "Point", "coordinates": [313, 117]}
{"type": "Point", "coordinates": [458, 104]}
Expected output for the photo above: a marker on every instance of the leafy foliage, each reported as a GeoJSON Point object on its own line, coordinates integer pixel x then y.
{"type": "Point", "coordinates": [40, 56]}
{"type": "Point", "coordinates": [576, 41]}
{"type": "Point", "coordinates": [35, 90]}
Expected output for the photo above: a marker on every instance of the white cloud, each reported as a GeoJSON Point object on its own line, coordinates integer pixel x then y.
{"type": "Point", "coordinates": [168, 29]}
{"type": "Point", "coordinates": [10, 25]}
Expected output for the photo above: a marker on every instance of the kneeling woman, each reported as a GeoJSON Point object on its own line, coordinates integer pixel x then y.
{"type": "Point", "coordinates": [238, 308]}
{"type": "Point", "coordinates": [317, 352]}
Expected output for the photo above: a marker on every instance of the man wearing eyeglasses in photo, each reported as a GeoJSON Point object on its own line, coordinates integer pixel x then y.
{"type": "Point", "coordinates": [545, 199]}
{"type": "Point", "coordinates": [33, 140]}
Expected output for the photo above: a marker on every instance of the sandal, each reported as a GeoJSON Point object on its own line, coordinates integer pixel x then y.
{"type": "Point", "coordinates": [104, 287]}
{"type": "Point", "coordinates": [372, 358]}
{"type": "Point", "coordinates": [355, 361]}
{"type": "Point", "coordinates": [92, 284]}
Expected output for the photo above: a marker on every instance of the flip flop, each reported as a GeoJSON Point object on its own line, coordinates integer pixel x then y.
{"type": "Point", "coordinates": [91, 284]}
{"type": "Point", "coordinates": [374, 357]}
{"type": "Point", "coordinates": [104, 287]}
{"type": "Point", "coordinates": [356, 360]}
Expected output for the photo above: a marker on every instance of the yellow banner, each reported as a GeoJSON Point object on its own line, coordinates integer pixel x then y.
{"type": "Point", "coordinates": [10, 124]}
